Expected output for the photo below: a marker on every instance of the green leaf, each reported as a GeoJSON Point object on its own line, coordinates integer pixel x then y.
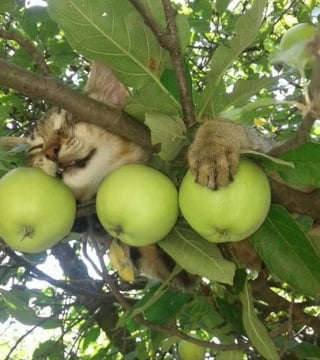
{"type": "Point", "coordinates": [50, 323]}
{"type": "Point", "coordinates": [306, 171]}
{"type": "Point", "coordinates": [197, 255]}
{"type": "Point", "coordinates": [166, 307]}
{"type": "Point", "coordinates": [222, 5]}
{"type": "Point", "coordinates": [231, 312]}
{"type": "Point", "coordinates": [36, 22]}
{"type": "Point", "coordinates": [316, 242]}
{"type": "Point", "coordinates": [18, 308]}
{"type": "Point", "coordinates": [168, 79]}
{"type": "Point", "coordinates": [242, 91]}
{"type": "Point", "coordinates": [158, 306]}
{"type": "Point", "coordinates": [288, 252]}
{"type": "Point", "coordinates": [229, 355]}
{"type": "Point", "coordinates": [150, 98]}
{"type": "Point", "coordinates": [246, 30]}
{"type": "Point", "coordinates": [91, 337]}
{"type": "Point", "coordinates": [244, 114]}
{"type": "Point", "coordinates": [169, 131]}
{"type": "Point", "coordinates": [113, 32]}
{"type": "Point", "coordinates": [255, 329]}
{"type": "Point", "coordinates": [306, 351]}
{"type": "Point", "coordinates": [201, 15]}
{"type": "Point", "coordinates": [7, 5]}
{"type": "Point", "coordinates": [201, 311]}
{"type": "Point", "coordinates": [305, 223]}
{"type": "Point", "coordinates": [268, 157]}
{"type": "Point", "coordinates": [50, 349]}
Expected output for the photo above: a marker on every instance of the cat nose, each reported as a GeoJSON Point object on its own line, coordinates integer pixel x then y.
{"type": "Point", "coordinates": [51, 152]}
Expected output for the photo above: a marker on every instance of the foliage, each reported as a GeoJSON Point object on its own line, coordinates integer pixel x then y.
{"type": "Point", "coordinates": [242, 309]}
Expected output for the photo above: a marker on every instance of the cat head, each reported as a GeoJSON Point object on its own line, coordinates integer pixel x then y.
{"type": "Point", "coordinates": [80, 153]}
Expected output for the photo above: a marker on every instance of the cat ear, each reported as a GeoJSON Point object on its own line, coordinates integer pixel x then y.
{"type": "Point", "coordinates": [103, 86]}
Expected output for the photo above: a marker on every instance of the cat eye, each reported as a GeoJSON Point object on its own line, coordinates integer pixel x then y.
{"type": "Point", "coordinates": [35, 147]}
{"type": "Point", "coordinates": [60, 132]}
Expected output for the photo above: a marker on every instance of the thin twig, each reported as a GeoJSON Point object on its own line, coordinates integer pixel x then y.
{"type": "Point", "coordinates": [29, 47]}
{"type": "Point", "coordinates": [289, 331]}
{"type": "Point", "coordinates": [21, 338]}
{"type": "Point", "coordinates": [107, 278]}
{"type": "Point", "coordinates": [262, 291]}
{"type": "Point", "coordinates": [173, 331]}
{"type": "Point", "coordinates": [85, 209]}
{"type": "Point", "coordinates": [38, 274]}
{"type": "Point", "coordinates": [157, 30]}
{"type": "Point", "coordinates": [300, 137]}
{"type": "Point", "coordinates": [11, 141]}
{"type": "Point", "coordinates": [312, 110]}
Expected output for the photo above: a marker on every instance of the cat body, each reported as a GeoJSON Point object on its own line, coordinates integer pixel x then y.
{"type": "Point", "coordinates": [82, 154]}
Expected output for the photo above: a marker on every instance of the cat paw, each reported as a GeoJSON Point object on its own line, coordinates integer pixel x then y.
{"type": "Point", "coordinates": [214, 155]}
{"type": "Point", "coordinates": [213, 167]}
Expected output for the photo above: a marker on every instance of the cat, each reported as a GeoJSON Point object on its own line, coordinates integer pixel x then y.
{"type": "Point", "coordinates": [82, 154]}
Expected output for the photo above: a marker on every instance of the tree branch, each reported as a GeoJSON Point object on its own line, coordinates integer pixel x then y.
{"type": "Point", "coordinates": [312, 110]}
{"type": "Point", "coordinates": [40, 275]}
{"type": "Point", "coordinates": [83, 107]}
{"type": "Point", "coordinates": [169, 40]}
{"type": "Point", "coordinates": [173, 330]}
{"type": "Point", "coordinates": [295, 200]}
{"type": "Point", "coordinates": [18, 341]}
{"type": "Point", "coordinates": [102, 304]}
{"type": "Point", "coordinates": [300, 137]}
{"type": "Point", "coordinates": [28, 46]}
{"type": "Point", "coordinates": [262, 291]}
{"type": "Point", "coordinates": [178, 63]}
{"type": "Point", "coordinates": [11, 142]}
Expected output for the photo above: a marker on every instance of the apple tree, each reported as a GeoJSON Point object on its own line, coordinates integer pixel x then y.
{"type": "Point", "coordinates": [183, 62]}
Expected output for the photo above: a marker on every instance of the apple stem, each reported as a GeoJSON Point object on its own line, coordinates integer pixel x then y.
{"type": "Point", "coordinates": [28, 232]}
{"type": "Point", "coordinates": [118, 230]}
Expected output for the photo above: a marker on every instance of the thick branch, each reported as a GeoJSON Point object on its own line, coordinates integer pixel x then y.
{"type": "Point", "coordinates": [296, 201]}
{"type": "Point", "coordinates": [80, 105]}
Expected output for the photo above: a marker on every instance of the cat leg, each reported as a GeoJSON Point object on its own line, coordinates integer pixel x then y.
{"type": "Point", "coordinates": [215, 152]}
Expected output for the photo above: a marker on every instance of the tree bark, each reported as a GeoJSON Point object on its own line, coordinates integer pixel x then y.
{"type": "Point", "coordinates": [81, 106]}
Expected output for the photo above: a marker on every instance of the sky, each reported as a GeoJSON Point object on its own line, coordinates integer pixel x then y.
{"type": "Point", "coordinates": [30, 3]}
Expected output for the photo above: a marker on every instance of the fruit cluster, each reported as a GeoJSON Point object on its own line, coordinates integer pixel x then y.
{"type": "Point", "coordinates": [135, 203]}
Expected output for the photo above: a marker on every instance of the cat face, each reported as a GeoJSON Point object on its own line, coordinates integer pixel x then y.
{"type": "Point", "coordinates": [79, 153]}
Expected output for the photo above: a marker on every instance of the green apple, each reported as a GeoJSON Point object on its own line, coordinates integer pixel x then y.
{"type": "Point", "coordinates": [36, 210]}
{"type": "Point", "coordinates": [292, 45]}
{"type": "Point", "coordinates": [231, 213]}
{"type": "Point", "coordinates": [137, 204]}
{"type": "Point", "coordinates": [190, 351]}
